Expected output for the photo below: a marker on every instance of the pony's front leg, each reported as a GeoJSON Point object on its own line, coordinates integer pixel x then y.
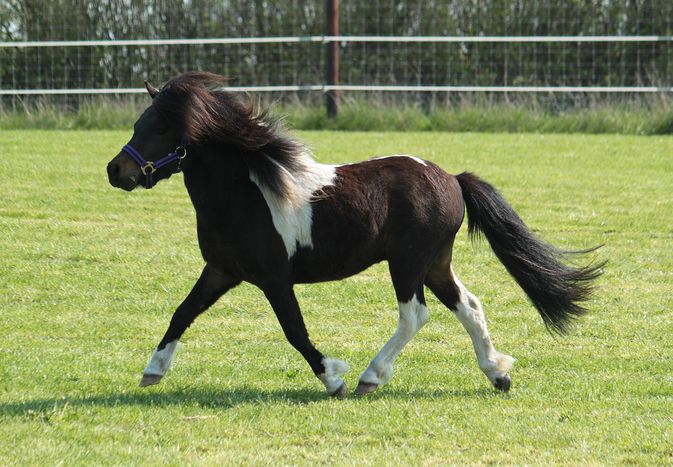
{"type": "Point", "coordinates": [210, 286]}
{"type": "Point", "coordinates": [328, 370]}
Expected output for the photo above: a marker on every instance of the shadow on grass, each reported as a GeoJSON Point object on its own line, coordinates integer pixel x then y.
{"type": "Point", "coordinates": [208, 397]}
{"type": "Point", "coordinates": [216, 398]}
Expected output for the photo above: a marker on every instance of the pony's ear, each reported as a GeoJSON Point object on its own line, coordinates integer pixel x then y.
{"type": "Point", "coordinates": [151, 89]}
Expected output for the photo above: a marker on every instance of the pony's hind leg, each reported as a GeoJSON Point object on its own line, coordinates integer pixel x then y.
{"type": "Point", "coordinates": [413, 314]}
{"type": "Point", "coordinates": [451, 292]}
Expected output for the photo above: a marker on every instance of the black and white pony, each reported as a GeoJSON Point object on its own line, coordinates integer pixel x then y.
{"type": "Point", "coordinates": [267, 213]}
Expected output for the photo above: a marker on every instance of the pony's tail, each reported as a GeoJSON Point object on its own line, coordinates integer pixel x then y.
{"type": "Point", "coordinates": [555, 288]}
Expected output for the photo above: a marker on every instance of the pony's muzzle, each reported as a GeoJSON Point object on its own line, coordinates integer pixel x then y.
{"type": "Point", "coordinates": [122, 175]}
{"type": "Point", "coordinates": [113, 171]}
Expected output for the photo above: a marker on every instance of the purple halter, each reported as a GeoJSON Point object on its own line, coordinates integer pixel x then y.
{"type": "Point", "coordinates": [149, 167]}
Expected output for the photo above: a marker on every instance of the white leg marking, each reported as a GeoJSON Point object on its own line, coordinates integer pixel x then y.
{"type": "Point", "coordinates": [413, 315]}
{"type": "Point", "coordinates": [292, 215]}
{"type": "Point", "coordinates": [334, 370]}
{"type": "Point", "coordinates": [161, 360]}
{"type": "Point", "coordinates": [471, 315]}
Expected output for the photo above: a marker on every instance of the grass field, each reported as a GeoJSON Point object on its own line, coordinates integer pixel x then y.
{"type": "Point", "coordinates": [90, 275]}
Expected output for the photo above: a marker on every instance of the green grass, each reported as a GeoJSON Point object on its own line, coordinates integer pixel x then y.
{"type": "Point", "coordinates": [654, 119]}
{"type": "Point", "coordinates": [90, 275]}
{"type": "Point", "coordinates": [647, 116]}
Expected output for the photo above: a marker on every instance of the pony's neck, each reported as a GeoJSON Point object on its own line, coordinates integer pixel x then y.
{"type": "Point", "coordinates": [215, 171]}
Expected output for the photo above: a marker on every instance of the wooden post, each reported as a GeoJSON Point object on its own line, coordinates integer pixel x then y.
{"type": "Point", "coordinates": [332, 58]}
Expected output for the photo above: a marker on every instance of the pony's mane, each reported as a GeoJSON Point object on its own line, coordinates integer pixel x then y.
{"type": "Point", "coordinates": [203, 111]}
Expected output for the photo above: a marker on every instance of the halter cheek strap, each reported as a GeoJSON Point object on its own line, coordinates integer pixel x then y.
{"type": "Point", "coordinates": [149, 167]}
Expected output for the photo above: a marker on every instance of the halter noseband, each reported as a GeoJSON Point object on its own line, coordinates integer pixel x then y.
{"type": "Point", "coordinates": [149, 167]}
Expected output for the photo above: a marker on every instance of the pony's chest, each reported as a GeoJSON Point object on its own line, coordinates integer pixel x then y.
{"type": "Point", "coordinates": [245, 247]}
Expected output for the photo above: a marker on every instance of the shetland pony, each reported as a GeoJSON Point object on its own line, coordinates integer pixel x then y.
{"type": "Point", "coordinates": [267, 213]}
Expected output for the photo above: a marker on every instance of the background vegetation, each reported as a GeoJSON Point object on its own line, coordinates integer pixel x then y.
{"type": "Point", "coordinates": [85, 294]}
{"type": "Point", "coordinates": [653, 116]}
{"type": "Point", "coordinates": [516, 64]}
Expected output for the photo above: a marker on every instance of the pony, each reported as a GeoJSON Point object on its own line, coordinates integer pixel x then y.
{"type": "Point", "coordinates": [269, 214]}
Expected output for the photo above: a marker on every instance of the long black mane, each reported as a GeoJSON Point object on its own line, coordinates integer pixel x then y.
{"type": "Point", "coordinates": [204, 112]}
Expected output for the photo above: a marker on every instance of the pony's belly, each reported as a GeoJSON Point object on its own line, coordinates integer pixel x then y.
{"type": "Point", "coordinates": [309, 267]}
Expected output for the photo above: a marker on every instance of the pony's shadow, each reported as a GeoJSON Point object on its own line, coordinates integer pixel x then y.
{"type": "Point", "coordinates": [217, 398]}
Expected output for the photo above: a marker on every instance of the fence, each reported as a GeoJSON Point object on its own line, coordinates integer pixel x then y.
{"type": "Point", "coordinates": [67, 47]}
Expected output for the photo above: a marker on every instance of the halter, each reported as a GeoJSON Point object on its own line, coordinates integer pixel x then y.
{"type": "Point", "coordinates": [149, 167]}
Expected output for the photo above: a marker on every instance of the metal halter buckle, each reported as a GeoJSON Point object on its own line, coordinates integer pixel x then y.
{"type": "Point", "coordinates": [148, 168]}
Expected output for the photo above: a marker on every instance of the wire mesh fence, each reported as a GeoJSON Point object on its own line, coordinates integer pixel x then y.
{"type": "Point", "coordinates": [77, 47]}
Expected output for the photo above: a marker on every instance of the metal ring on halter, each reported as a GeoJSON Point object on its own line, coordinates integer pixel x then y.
{"type": "Point", "coordinates": [148, 168]}
{"type": "Point", "coordinates": [184, 154]}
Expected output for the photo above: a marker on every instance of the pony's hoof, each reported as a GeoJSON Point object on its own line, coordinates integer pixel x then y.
{"type": "Point", "coordinates": [365, 388]}
{"type": "Point", "coordinates": [149, 380]}
{"type": "Point", "coordinates": [503, 383]}
{"type": "Point", "coordinates": [341, 392]}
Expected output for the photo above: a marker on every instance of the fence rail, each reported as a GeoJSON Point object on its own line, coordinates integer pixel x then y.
{"type": "Point", "coordinates": [325, 39]}
{"type": "Point", "coordinates": [361, 88]}
{"type": "Point", "coordinates": [346, 40]}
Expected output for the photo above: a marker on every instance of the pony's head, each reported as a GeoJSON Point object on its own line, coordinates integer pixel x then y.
{"type": "Point", "coordinates": [188, 109]}
{"type": "Point", "coordinates": [191, 113]}
{"type": "Point", "coordinates": [154, 136]}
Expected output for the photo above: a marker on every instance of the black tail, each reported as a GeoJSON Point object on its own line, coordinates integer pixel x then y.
{"type": "Point", "coordinates": [555, 288]}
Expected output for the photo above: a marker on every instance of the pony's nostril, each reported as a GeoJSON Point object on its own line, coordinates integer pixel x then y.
{"type": "Point", "coordinates": [113, 170]}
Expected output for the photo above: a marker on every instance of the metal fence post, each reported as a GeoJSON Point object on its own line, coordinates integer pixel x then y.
{"type": "Point", "coordinates": [332, 58]}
